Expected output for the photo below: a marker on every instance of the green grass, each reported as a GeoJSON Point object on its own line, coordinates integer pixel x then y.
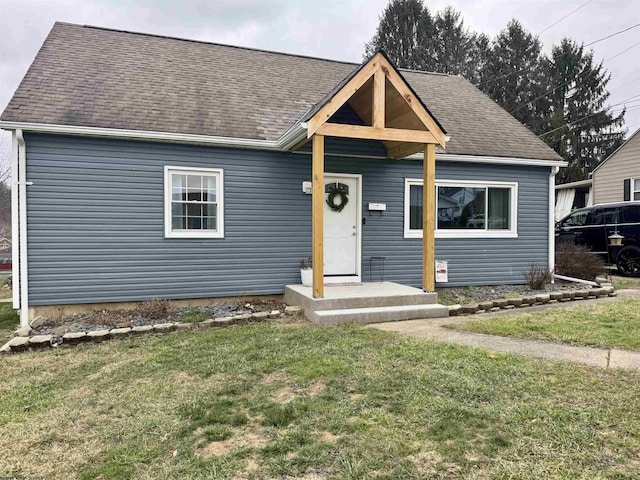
{"type": "Point", "coordinates": [620, 283]}
{"type": "Point", "coordinates": [606, 325]}
{"type": "Point", "coordinates": [282, 401]}
{"type": "Point", "coordinates": [9, 321]}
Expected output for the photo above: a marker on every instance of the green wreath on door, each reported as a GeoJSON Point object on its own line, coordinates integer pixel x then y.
{"type": "Point", "coordinates": [334, 193]}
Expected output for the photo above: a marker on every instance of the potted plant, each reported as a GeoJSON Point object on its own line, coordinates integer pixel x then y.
{"type": "Point", "coordinates": [306, 272]}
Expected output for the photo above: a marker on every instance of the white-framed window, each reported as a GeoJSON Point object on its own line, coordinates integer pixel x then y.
{"type": "Point", "coordinates": [193, 202]}
{"type": "Point", "coordinates": [635, 188]}
{"type": "Point", "coordinates": [464, 209]}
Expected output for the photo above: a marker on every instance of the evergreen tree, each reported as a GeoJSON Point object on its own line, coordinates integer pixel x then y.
{"type": "Point", "coordinates": [452, 45]}
{"type": "Point", "coordinates": [403, 33]}
{"type": "Point", "coordinates": [514, 70]}
{"type": "Point", "coordinates": [585, 131]}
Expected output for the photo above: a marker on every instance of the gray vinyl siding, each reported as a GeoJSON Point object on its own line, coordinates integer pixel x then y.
{"type": "Point", "coordinates": [96, 222]}
{"type": "Point", "coordinates": [608, 180]}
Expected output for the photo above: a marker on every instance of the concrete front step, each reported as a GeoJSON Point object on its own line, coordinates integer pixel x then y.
{"type": "Point", "coordinates": [369, 295]}
{"type": "Point", "coordinates": [377, 314]}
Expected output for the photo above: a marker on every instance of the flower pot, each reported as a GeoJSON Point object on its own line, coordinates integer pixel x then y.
{"type": "Point", "coordinates": [306, 275]}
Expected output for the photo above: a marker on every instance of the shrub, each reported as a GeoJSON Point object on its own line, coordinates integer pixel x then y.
{"type": "Point", "coordinates": [578, 261]}
{"type": "Point", "coordinates": [156, 309]}
{"type": "Point", "coordinates": [537, 276]}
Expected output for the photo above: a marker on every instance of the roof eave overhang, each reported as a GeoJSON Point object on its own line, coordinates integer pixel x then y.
{"type": "Point", "coordinates": [451, 157]}
{"type": "Point", "coordinates": [293, 136]}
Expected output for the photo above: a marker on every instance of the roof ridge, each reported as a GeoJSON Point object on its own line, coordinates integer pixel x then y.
{"type": "Point", "coordinates": [254, 49]}
{"type": "Point", "coordinates": [182, 39]}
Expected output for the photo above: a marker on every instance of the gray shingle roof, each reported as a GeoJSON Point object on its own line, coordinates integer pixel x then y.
{"type": "Point", "coordinates": [89, 76]}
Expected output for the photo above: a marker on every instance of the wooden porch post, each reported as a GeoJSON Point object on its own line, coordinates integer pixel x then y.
{"type": "Point", "coordinates": [428, 218]}
{"type": "Point", "coordinates": [317, 216]}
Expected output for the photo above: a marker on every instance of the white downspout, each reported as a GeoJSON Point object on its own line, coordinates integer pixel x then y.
{"type": "Point", "coordinates": [15, 234]}
{"type": "Point", "coordinates": [22, 220]}
{"type": "Point", "coordinates": [552, 222]}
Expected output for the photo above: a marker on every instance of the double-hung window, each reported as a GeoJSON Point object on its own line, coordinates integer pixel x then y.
{"type": "Point", "coordinates": [194, 202]}
{"type": "Point", "coordinates": [464, 209]}
{"type": "Point", "coordinates": [635, 189]}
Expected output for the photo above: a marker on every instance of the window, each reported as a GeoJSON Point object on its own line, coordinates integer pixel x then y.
{"type": "Point", "coordinates": [464, 209]}
{"type": "Point", "coordinates": [577, 219]}
{"type": "Point", "coordinates": [193, 202]}
{"type": "Point", "coordinates": [635, 185]}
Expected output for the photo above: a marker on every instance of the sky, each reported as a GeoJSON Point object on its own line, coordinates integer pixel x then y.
{"type": "Point", "coordinates": [336, 29]}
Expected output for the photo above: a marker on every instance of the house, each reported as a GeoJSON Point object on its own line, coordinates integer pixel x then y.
{"type": "Point", "coordinates": [152, 166]}
{"type": "Point", "coordinates": [571, 196]}
{"type": "Point", "coordinates": [617, 178]}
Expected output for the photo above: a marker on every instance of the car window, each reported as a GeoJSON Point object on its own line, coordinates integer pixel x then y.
{"type": "Point", "coordinates": [603, 216]}
{"type": "Point", "coordinates": [632, 214]}
{"type": "Point", "coordinates": [577, 219]}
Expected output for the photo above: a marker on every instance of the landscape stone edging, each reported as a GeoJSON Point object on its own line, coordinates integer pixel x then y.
{"type": "Point", "coordinates": [526, 301]}
{"type": "Point", "coordinates": [37, 342]}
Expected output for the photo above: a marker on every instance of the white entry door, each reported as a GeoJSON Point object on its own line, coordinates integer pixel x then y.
{"type": "Point", "coordinates": [341, 228]}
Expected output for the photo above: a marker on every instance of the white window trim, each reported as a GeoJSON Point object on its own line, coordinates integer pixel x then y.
{"type": "Point", "coordinates": [475, 233]}
{"type": "Point", "coordinates": [632, 187]}
{"type": "Point", "coordinates": [168, 232]}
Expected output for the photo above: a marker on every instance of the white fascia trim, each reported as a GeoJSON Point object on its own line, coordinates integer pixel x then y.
{"type": "Point", "coordinates": [450, 157]}
{"type": "Point", "coordinates": [579, 183]}
{"type": "Point", "coordinates": [15, 233]}
{"type": "Point", "coordinates": [168, 232]}
{"type": "Point", "coordinates": [551, 219]}
{"type": "Point", "coordinates": [22, 227]}
{"type": "Point", "coordinates": [292, 136]}
{"type": "Point", "coordinates": [478, 234]}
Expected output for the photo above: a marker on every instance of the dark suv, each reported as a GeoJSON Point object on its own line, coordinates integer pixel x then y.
{"type": "Point", "coordinates": [592, 227]}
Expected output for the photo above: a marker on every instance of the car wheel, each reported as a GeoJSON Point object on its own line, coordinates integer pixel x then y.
{"type": "Point", "coordinates": [628, 261]}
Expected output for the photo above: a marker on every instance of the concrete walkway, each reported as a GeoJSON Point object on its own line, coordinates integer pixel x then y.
{"type": "Point", "coordinates": [597, 357]}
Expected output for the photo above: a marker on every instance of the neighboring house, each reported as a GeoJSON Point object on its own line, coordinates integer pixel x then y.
{"type": "Point", "coordinates": [617, 178]}
{"type": "Point", "coordinates": [158, 167]}
{"type": "Point", "coordinates": [570, 196]}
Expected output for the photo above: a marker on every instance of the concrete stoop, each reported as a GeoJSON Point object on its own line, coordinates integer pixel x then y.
{"type": "Point", "coordinates": [365, 303]}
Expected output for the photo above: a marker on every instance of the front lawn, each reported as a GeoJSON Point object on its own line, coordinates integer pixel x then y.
{"type": "Point", "coordinates": [607, 325]}
{"type": "Point", "coordinates": [277, 401]}
{"type": "Point", "coordinates": [9, 321]}
{"type": "Point", "coordinates": [620, 283]}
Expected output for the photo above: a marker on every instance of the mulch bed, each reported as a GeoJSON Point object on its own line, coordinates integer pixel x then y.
{"type": "Point", "coordinates": [483, 293]}
{"type": "Point", "coordinates": [108, 319]}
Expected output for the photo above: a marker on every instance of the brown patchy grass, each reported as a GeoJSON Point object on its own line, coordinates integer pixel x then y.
{"type": "Point", "coordinates": [360, 404]}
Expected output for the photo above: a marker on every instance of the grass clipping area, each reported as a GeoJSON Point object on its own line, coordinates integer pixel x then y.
{"type": "Point", "coordinates": [275, 401]}
{"type": "Point", "coordinates": [607, 325]}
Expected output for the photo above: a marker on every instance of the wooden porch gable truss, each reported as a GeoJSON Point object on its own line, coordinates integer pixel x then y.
{"type": "Point", "coordinates": [392, 113]}
{"type": "Point", "coordinates": [386, 104]}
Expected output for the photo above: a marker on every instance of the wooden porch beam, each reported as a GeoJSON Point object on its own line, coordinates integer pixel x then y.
{"type": "Point", "coordinates": [343, 95]}
{"type": "Point", "coordinates": [317, 216]}
{"type": "Point", "coordinates": [413, 103]}
{"type": "Point", "coordinates": [373, 133]}
{"type": "Point", "coordinates": [379, 99]}
{"type": "Point", "coordinates": [428, 218]}
{"type": "Point", "coordinates": [403, 150]}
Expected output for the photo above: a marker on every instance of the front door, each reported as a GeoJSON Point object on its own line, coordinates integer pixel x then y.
{"type": "Point", "coordinates": [341, 228]}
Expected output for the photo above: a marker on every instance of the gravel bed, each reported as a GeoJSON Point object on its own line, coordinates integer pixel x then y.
{"type": "Point", "coordinates": [462, 295]}
{"type": "Point", "coordinates": [108, 319]}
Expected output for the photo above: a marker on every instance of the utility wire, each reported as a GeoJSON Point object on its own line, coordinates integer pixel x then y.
{"type": "Point", "coordinates": [624, 85]}
{"type": "Point", "coordinates": [624, 51]}
{"type": "Point", "coordinates": [612, 35]}
{"type": "Point", "coordinates": [587, 116]}
{"type": "Point", "coordinates": [567, 15]}
{"type": "Point", "coordinates": [564, 84]}
{"type": "Point", "coordinates": [541, 31]}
